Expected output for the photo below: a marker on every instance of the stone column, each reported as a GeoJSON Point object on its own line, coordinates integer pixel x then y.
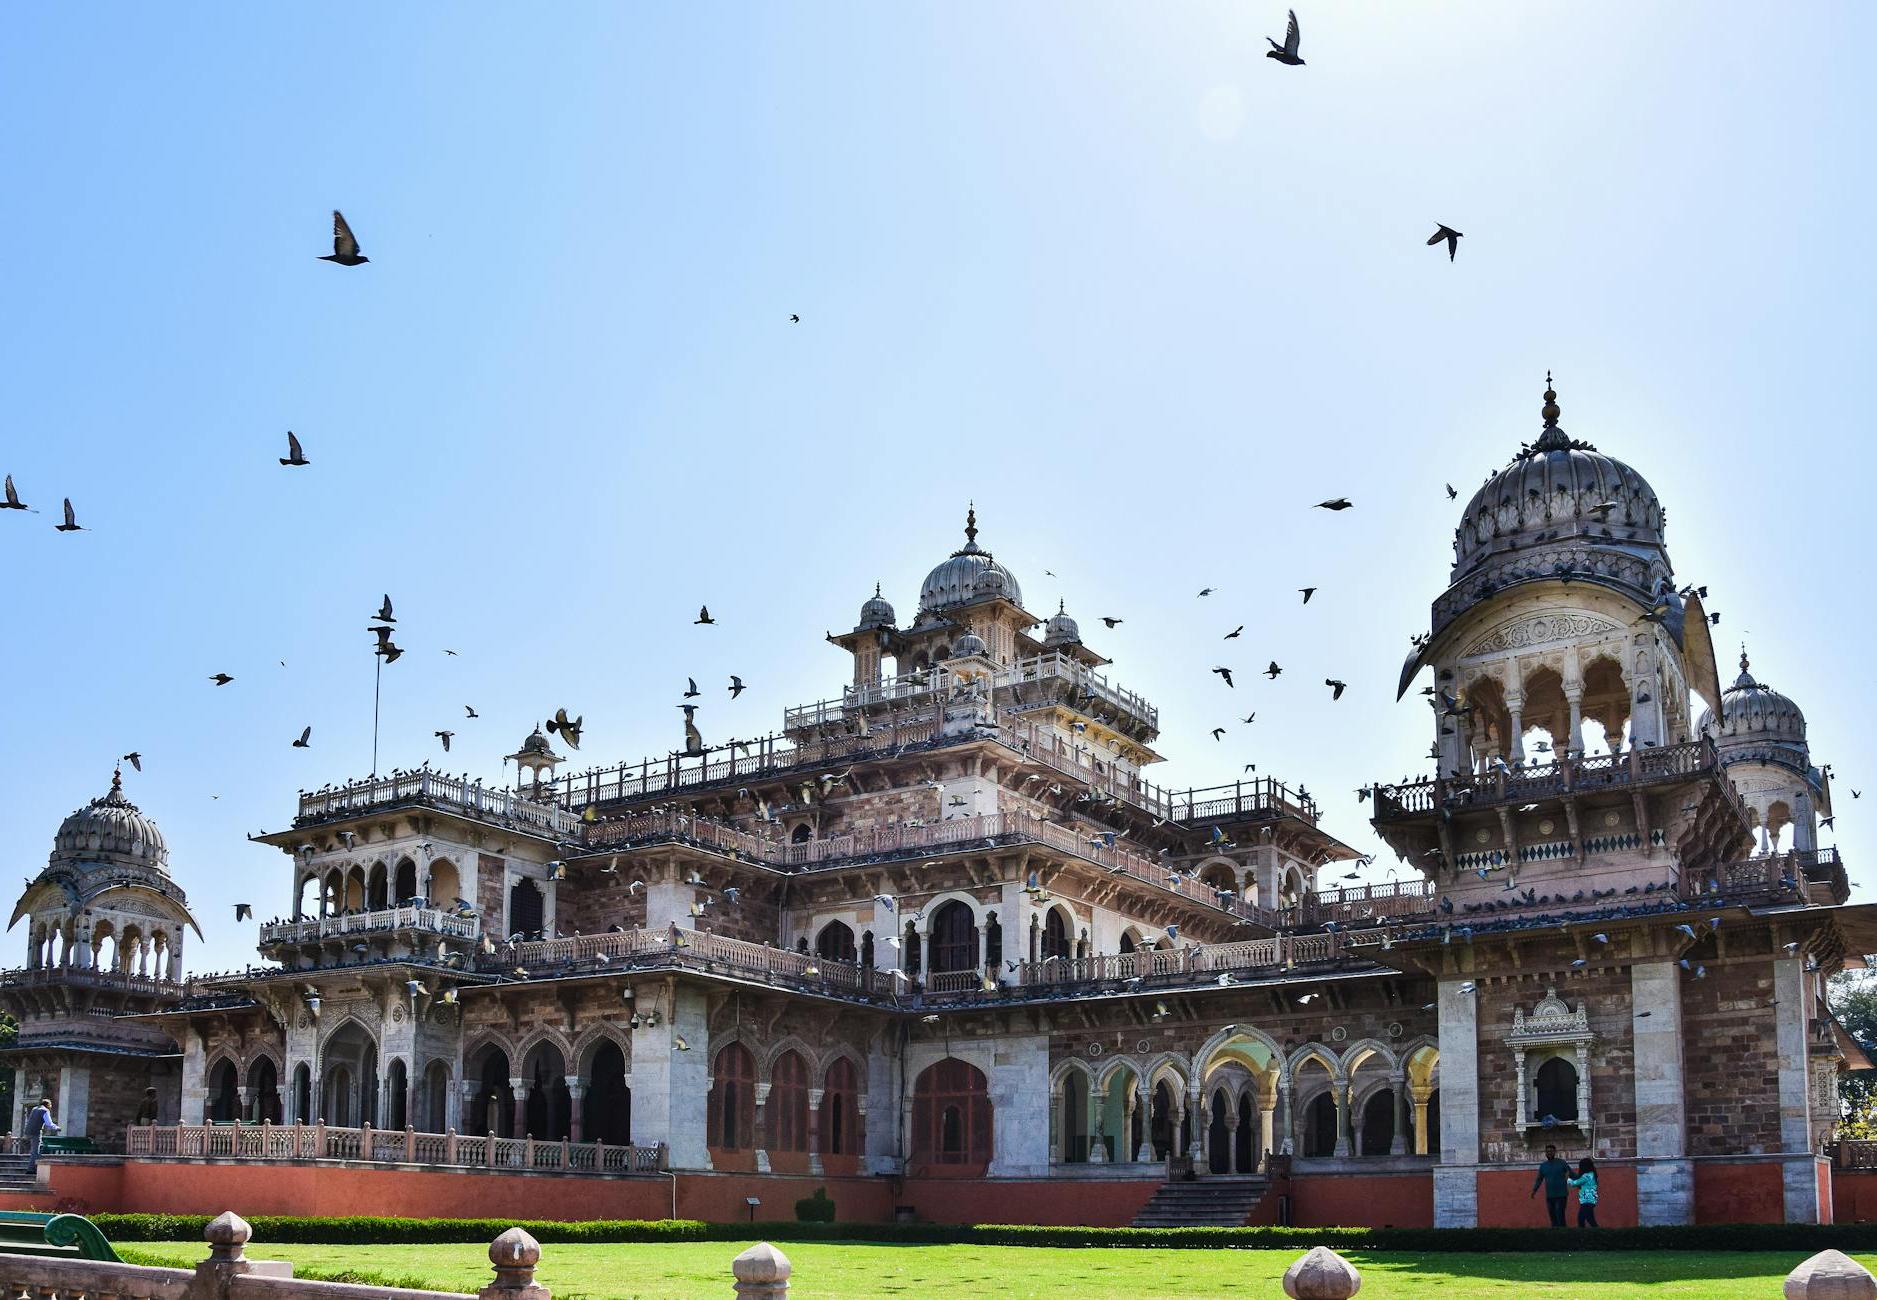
{"type": "Point", "coordinates": [1058, 1123]}
{"type": "Point", "coordinates": [1399, 1145]}
{"type": "Point", "coordinates": [984, 943]}
{"type": "Point", "coordinates": [1266, 1117]}
{"type": "Point", "coordinates": [1340, 1090]}
{"type": "Point", "coordinates": [1664, 1175]}
{"type": "Point", "coordinates": [576, 1113]}
{"type": "Point", "coordinates": [1097, 1134]}
{"type": "Point", "coordinates": [1421, 1097]}
{"type": "Point", "coordinates": [520, 1089]}
{"type": "Point", "coordinates": [1456, 1180]}
{"type": "Point", "coordinates": [74, 1100]}
{"type": "Point", "coordinates": [175, 961]}
{"type": "Point", "coordinates": [1800, 1168]}
{"type": "Point", "coordinates": [245, 1096]}
{"type": "Point", "coordinates": [762, 1128]}
{"type": "Point", "coordinates": [1231, 1142]}
{"type": "Point", "coordinates": [1018, 1078]}
{"type": "Point", "coordinates": [814, 1129]}
{"type": "Point", "coordinates": [1574, 696]}
{"type": "Point", "coordinates": [1140, 1153]}
{"type": "Point", "coordinates": [461, 1103]}
{"type": "Point", "coordinates": [1283, 1139]}
{"type": "Point", "coordinates": [1515, 743]}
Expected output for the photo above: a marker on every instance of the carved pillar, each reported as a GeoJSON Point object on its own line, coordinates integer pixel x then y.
{"type": "Point", "coordinates": [984, 944]}
{"type": "Point", "coordinates": [1281, 1105]}
{"type": "Point", "coordinates": [1421, 1097]}
{"type": "Point", "coordinates": [814, 1129]}
{"type": "Point", "coordinates": [576, 1112]}
{"type": "Point", "coordinates": [1231, 1143]}
{"type": "Point", "coordinates": [1058, 1123]}
{"type": "Point", "coordinates": [1524, 1109]}
{"type": "Point", "coordinates": [1339, 1093]}
{"type": "Point", "coordinates": [1140, 1150]}
{"type": "Point", "coordinates": [1197, 1112]}
{"type": "Point", "coordinates": [1267, 1114]}
{"type": "Point", "coordinates": [1399, 1145]}
{"type": "Point", "coordinates": [1098, 1116]}
{"type": "Point", "coordinates": [762, 1127]}
{"type": "Point", "coordinates": [1574, 696]}
{"type": "Point", "coordinates": [1515, 743]}
{"type": "Point", "coordinates": [520, 1087]}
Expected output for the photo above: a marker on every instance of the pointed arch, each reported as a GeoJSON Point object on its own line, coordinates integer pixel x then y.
{"type": "Point", "coordinates": [1359, 1052]}
{"type": "Point", "coordinates": [1210, 1053]}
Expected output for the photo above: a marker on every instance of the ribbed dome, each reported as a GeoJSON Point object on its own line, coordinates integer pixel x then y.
{"type": "Point", "coordinates": [110, 831]}
{"type": "Point", "coordinates": [1060, 630]}
{"type": "Point", "coordinates": [877, 612]}
{"type": "Point", "coordinates": [536, 743]}
{"type": "Point", "coordinates": [970, 574]}
{"type": "Point", "coordinates": [1755, 714]}
{"type": "Point", "coordinates": [1552, 490]}
{"type": "Point", "coordinates": [969, 644]}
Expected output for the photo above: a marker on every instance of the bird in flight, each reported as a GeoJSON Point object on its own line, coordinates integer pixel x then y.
{"type": "Point", "coordinates": [736, 686]}
{"type": "Point", "coordinates": [1285, 53]}
{"type": "Point", "coordinates": [690, 688]}
{"type": "Point", "coordinates": [1335, 503]}
{"type": "Point", "coordinates": [1218, 733]}
{"type": "Point", "coordinates": [1225, 673]}
{"type": "Point", "coordinates": [1452, 236]}
{"type": "Point", "coordinates": [243, 911]}
{"type": "Point", "coordinates": [1307, 593]}
{"type": "Point", "coordinates": [12, 501]}
{"type": "Point", "coordinates": [135, 759]}
{"type": "Point", "coordinates": [1273, 670]}
{"type": "Point", "coordinates": [568, 731]}
{"type": "Point", "coordinates": [306, 739]}
{"type": "Point", "coordinates": [344, 243]}
{"type": "Point", "coordinates": [1206, 591]}
{"type": "Point", "coordinates": [1336, 688]}
{"type": "Point", "coordinates": [294, 455]}
{"type": "Point", "coordinates": [471, 712]}
{"type": "Point", "coordinates": [221, 679]}
{"type": "Point", "coordinates": [1111, 622]}
{"type": "Point", "coordinates": [444, 736]}
{"type": "Point", "coordinates": [71, 524]}
{"type": "Point", "coordinates": [794, 319]}
{"type": "Point", "coordinates": [1249, 718]}
{"type": "Point", "coordinates": [384, 612]}
{"type": "Point", "coordinates": [703, 615]}
{"type": "Point", "coordinates": [1451, 494]}
{"type": "Point", "coordinates": [1234, 632]}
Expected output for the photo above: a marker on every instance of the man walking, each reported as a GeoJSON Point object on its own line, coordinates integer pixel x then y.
{"type": "Point", "coordinates": [1553, 1174]}
{"type": "Point", "coordinates": [38, 1120]}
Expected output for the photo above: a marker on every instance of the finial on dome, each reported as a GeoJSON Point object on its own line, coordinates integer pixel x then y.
{"type": "Point", "coordinates": [117, 779]}
{"type": "Point", "coordinates": [876, 588]}
{"type": "Point", "coordinates": [1551, 411]}
{"type": "Point", "coordinates": [1062, 607]}
{"type": "Point", "coordinates": [971, 524]}
{"type": "Point", "coordinates": [1743, 658]}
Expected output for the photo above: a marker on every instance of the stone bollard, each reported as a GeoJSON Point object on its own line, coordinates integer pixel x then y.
{"type": "Point", "coordinates": [1321, 1274]}
{"type": "Point", "coordinates": [514, 1255]}
{"type": "Point", "coordinates": [228, 1235]}
{"type": "Point", "coordinates": [1830, 1275]}
{"type": "Point", "coordinates": [762, 1273]}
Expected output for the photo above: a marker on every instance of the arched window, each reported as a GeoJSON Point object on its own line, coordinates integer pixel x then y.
{"type": "Point", "coordinates": [951, 1116]}
{"type": "Point", "coordinates": [524, 908]}
{"type": "Point", "coordinates": [1127, 941]}
{"type": "Point", "coordinates": [840, 1110]}
{"type": "Point", "coordinates": [912, 949]}
{"type": "Point", "coordinates": [1218, 1136]}
{"type": "Point", "coordinates": [436, 1098]}
{"type": "Point", "coordinates": [1556, 1088]}
{"type": "Point", "coordinates": [1319, 1126]}
{"type": "Point", "coordinates": [608, 1101]}
{"type": "Point", "coordinates": [264, 1090]}
{"type": "Point", "coordinates": [1055, 935]}
{"type": "Point", "coordinates": [397, 1092]}
{"type": "Point", "coordinates": [406, 887]}
{"type": "Point", "coordinates": [866, 950]}
{"type": "Point", "coordinates": [302, 1094]}
{"type": "Point", "coordinates": [492, 1112]}
{"type": "Point", "coordinates": [375, 898]}
{"type": "Point", "coordinates": [446, 886]}
{"type": "Point", "coordinates": [733, 1099]}
{"type": "Point", "coordinates": [224, 1099]}
{"type": "Point", "coordinates": [787, 1106]}
{"type": "Point", "coordinates": [802, 834]}
{"type": "Point", "coordinates": [1378, 1123]}
{"type": "Point", "coordinates": [835, 942]}
{"type": "Point", "coordinates": [954, 939]}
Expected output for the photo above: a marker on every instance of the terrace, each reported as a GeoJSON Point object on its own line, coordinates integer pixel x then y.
{"type": "Point", "coordinates": [936, 683]}
{"type": "Point", "coordinates": [428, 920]}
{"type": "Point", "coordinates": [1565, 777]}
{"type": "Point", "coordinates": [426, 789]}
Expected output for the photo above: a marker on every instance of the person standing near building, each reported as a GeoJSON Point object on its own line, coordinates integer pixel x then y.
{"type": "Point", "coordinates": [147, 1108]}
{"type": "Point", "coordinates": [1586, 1185]}
{"type": "Point", "coordinates": [38, 1120]}
{"type": "Point", "coordinates": [1554, 1176]}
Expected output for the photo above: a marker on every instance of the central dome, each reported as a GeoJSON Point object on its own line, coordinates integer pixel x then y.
{"type": "Point", "coordinates": [1555, 490]}
{"type": "Point", "coordinates": [110, 831]}
{"type": "Point", "coordinates": [967, 576]}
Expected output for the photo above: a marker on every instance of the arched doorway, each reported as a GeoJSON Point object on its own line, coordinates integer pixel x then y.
{"type": "Point", "coordinates": [264, 1090]}
{"type": "Point", "coordinates": [549, 1109]}
{"type": "Point", "coordinates": [954, 939]}
{"type": "Point", "coordinates": [446, 887]}
{"type": "Point", "coordinates": [840, 1110]}
{"type": "Point", "coordinates": [1055, 935]}
{"type": "Point", "coordinates": [224, 1094]}
{"type": "Point", "coordinates": [1319, 1126]}
{"type": "Point", "coordinates": [525, 909]}
{"type": "Point", "coordinates": [1378, 1122]}
{"type": "Point", "coordinates": [406, 887]}
{"type": "Point", "coordinates": [349, 1077]}
{"type": "Point", "coordinates": [1165, 1107]}
{"type": "Point", "coordinates": [397, 1094]}
{"type": "Point", "coordinates": [1218, 1137]}
{"type": "Point", "coordinates": [835, 942]}
{"type": "Point", "coordinates": [787, 1106]}
{"type": "Point", "coordinates": [436, 1098]}
{"type": "Point", "coordinates": [608, 1105]}
{"type": "Point", "coordinates": [732, 1099]}
{"type": "Point", "coordinates": [951, 1115]}
{"type": "Point", "coordinates": [303, 1094]}
{"type": "Point", "coordinates": [1075, 1117]}
{"type": "Point", "coordinates": [1244, 1142]}
{"type": "Point", "coordinates": [492, 1111]}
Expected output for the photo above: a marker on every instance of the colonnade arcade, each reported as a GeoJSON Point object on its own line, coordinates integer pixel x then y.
{"type": "Point", "coordinates": [116, 944]}
{"type": "Point", "coordinates": [1240, 1098]}
{"type": "Point", "coordinates": [375, 886]}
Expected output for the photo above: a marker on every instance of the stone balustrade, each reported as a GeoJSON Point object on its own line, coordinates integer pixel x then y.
{"type": "Point", "coordinates": [268, 1143]}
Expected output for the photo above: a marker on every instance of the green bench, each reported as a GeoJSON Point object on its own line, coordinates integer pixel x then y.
{"type": "Point", "coordinates": [70, 1235]}
{"type": "Point", "coordinates": [67, 1146]}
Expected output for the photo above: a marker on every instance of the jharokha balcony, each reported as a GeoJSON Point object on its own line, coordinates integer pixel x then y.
{"type": "Point", "coordinates": [1584, 774]}
{"type": "Point", "coordinates": [423, 920]}
{"type": "Point", "coordinates": [268, 1143]}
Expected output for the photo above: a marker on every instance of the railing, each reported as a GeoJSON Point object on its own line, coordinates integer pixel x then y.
{"type": "Point", "coordinates": [1052, 667]}
{"type": "Point", "coordinates": [1639, 766]}
{"type": "Point", "coordinates": [281, 1142]}
{"type": "Point", "coordinates": [1386, 900]}
{"type": "Point", "coordinates": [694, 950]}
{"type": "Point", "coordinates": [1799, 871]}
{"type": "Point", "coordinates": [90, 977]}
{"type": "Point", "coordinates": [1852, 1154]}
{"type": "Point", "coordinates": [433, 789]}
{"type": "Point", "coordinates": [428, 919]}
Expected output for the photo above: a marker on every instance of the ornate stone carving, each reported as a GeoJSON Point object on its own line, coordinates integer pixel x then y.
{"type": "Point", "coordinates": [1541, 629]}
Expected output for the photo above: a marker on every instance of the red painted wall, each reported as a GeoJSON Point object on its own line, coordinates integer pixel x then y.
{"type": "Point", "coordinates": [1506, 1200]}
{"type": "Point", "coordinates": [1371, 1200]}
{"type": "Point", "coordinates": [1745, 1193]}
{"type": "Point", "coordinates": [1093, 1203]}
{"type": "Point", "coordinates": [1853, 1196]}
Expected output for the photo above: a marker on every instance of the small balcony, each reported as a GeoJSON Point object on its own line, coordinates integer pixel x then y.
{"type": "Point", "coordinates": [1587, 774]}
{"type": "Point", "coordinates": [434, 790]}
{"type": "Point", "coordinates": [317, 929]}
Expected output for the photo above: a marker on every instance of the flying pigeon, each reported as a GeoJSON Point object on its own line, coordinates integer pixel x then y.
{"type": "Point", "coordinates": [1285, 53]}
{"type": "Point", "coordinates": [12, 501]}
{"type": "Point", "coordinates": [1452, 236]}
{"type": "Point", "coordinates": [344, 243]}
{"type": "Point", "coordinates": [1335, 503]}
{"type": "Point", "coordinates": [71, 524]}
{"type": "Point", "coordinates": [306, 739]}
{"type": "Point", "coordinates": [294, 455]}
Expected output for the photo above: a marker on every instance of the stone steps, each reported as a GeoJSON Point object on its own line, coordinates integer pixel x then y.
{"type": "Point", "coordinates": [1203, 1203]}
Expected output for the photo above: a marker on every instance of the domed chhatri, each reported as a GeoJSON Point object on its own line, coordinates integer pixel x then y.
{"type": "Point", "coordinates": [876, 612]}
{"type": "Point", "coordinates": [967, 576]}
{"type": "Point", "coordinates": [110, 831]}
{"type": "Point", "coordinates": [969, 644]}
{"type": "Point", "coordinates": [1555, 490]}
{"type": "Point", "coordinates": [536, 743]}
{"type": "Point", "coordinates": [1060, 629]}
{"type": "Point", "coordinates": [1754, 712]}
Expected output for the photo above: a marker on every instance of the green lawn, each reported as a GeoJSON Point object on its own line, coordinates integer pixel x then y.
{"type": "Point", "coordinates": [852, 1271]}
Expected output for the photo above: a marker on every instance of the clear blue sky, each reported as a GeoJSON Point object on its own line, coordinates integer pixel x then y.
{"type": "Point", "coordinates": [1142, 293]}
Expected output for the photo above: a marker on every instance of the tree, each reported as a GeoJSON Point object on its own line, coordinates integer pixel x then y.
{"type": "Point", "coordinates": [1852, 996]}
{"type": "Point", "coordinates": [9, 1035]}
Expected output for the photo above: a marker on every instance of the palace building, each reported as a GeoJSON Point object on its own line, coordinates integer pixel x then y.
{"type": "Point", "coordinates": [941, 946]}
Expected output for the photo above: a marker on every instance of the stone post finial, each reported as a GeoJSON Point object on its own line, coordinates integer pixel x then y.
{"type": "Point", "coordinates": [1830, 1275]}
{"type": "Point", "coordinates": [1321, 1274]}
{"type": "Point", "coordinates": [514, 1255]}
{"type": "Point", "coordinates": [227, 1234]}
{"type": "Point", "coordinates": [762, 1273]}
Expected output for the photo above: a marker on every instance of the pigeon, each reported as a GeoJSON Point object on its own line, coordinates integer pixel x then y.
{"type": "Point", "coordinates": [243, 911]}
{"type": "Point", "coordinates": [1335, 503]}
{"type": "Point", "coordinates": [703, 615]}
{"type": "Point", "coordinates": [690, 688]}
{"type": "Point", "coordinates": [736, 686]}
{"type": "Point", "coordinates": [1273, 670]}
{"type": "Point", "coordinates": [1111, 622]}
{"type": "Point", "coordinates": [1225, 673]}
{"type": "Point", "coordinates": [1451, 494]}
{"type": "Point", "coordinates": [135, 759]}
{"type": "Point", "coordinates": [1218, 733]}
{"type": "Point", "coordinates": [1234, 632]}
{"type": "Point", "coordinates": [1205, 591]}
{"type": "Point", "coordinates": [469, 712]}
{"type": "Point", "coordinates": [306, 739]}
{"type": "Point", "coordinates": [1285, 53]}
{"type": "Point", "coordinates": [1453, 238]}
{"type": "Point", "coordinates": [12, 501]}
{"type": "Point", "coordinates": [1336, 688]}
{"type": "Point", "coordinates": [344, 243]}
{"type": "Point", "coordinates": [294, 455]}
{"type": "Point", "coordinates": [71, 524]}
{"type": "Point", "coordinates": [444, 736]}
{"type": "Point", "coordinates": [384, 612]}
{"type": "Point", "coordinates": [794, 319]}
{"type": "Point", "coordinates": [566, 730]}
{"type": "Point", "coordinates": [1307, 593]}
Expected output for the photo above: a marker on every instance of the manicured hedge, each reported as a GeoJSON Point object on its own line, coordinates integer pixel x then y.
{"type": "Point", "coordinates": [1851, 1238]}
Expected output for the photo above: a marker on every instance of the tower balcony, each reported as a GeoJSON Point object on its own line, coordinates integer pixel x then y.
{"type": "Point", "coordinates": [1533, 783]}
{"type": "Point", "coordinates": [426, 789]}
